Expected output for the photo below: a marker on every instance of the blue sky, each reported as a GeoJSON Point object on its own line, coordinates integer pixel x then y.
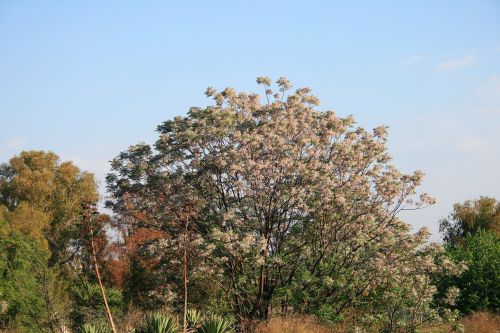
{"type": "Point", "coordinates": [86, 79]}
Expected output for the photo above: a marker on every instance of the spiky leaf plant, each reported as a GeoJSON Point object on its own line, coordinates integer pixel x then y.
{"type": "Point", "coordinates": [217, 324]}
{"type": "Point", "coordinates": [88, 328]}
{"type": "Point", "coordinates": [195, 319]}
{"type": "Point", "coordinates": [159, 323]}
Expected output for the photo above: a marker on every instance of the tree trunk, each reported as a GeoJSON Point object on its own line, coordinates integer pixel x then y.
{"type": "Point", "coordinates": [108, 311]}
{"type": "Point", "coordinates": [185, 279]}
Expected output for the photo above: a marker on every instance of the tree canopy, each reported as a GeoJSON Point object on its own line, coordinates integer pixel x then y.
{"type": "Point", "coordinates": [472, 235]}
{"type": "Point", "coordinates": [43, 198]}
{"type": "Point", "coordinates": [41, 205]}
{"type": "Point", "coordinates": [470, 217]}
{"type": "Point", "coordinates": [291, 206]}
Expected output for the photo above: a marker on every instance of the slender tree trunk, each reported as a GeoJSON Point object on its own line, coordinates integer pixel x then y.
{"type": "Point", "coordinates": [48, 305]}
{"type": "Point", "coordinates": [94, 257]}
{"type": "Point", "coordinates": [185, 278]}
{"type": "Point", "coordinates": [258, 306]}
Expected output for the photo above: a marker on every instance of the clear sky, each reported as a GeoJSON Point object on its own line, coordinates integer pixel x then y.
{"type": "Point", "coordinates": [86, 79]}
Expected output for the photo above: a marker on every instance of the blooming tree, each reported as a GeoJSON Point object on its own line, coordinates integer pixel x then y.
{"type": "Point", "coordinates": [295, 207]}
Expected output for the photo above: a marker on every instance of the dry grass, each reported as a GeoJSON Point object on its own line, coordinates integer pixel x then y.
{"type": "Point", "coordinates": [296, 325]}
{"type": "Point", "coordinates": [435, 329]}
{"type": "Point", "coordinates": [482, 322]}
{"type": "Point", "coordinates": [129, 321]}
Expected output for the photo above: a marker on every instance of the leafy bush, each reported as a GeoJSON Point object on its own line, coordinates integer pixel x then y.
{"type": "Point", "coordinates": [89, 306]}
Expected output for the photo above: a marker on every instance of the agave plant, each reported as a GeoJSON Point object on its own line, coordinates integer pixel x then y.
{"type": "Point", "coordinates": [194, 319]}
{"type": "Point", "coordinates": [88, 328]}
{"type": "Point", "coordinates": [159, 323]}
{"type": "Point", "coordinates": [216, 324]}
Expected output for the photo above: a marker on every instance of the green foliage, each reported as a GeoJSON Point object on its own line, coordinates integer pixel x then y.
{"type": "Point", "coordinates": [42, 201]}
{"type": "Point", "coordinates": [327, 314]}
{"type": "Point", "coordinates": [217, 324]}
{"type": "Point", "coordinates": [470, 217]}
{"type": "Point", "coordinates": [42, 198]}
{"type": "Point", "coordinates": [159, 323]}
{"type": "Point", "coordinates": [480, 283]}
{"type": "Point", "coordinates": [34, 297]}
{"type": "Point", "coordinates": [89, 305]}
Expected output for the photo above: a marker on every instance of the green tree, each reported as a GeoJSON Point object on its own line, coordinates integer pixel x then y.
{"type": "Point", "coordinates": [470, 217]}
{"type": "Point", "coordinates": [480, 284]}
{"type": "Point", "coordinates": [42, 201]}
{"type": "Point", "coordinates": [34, 298]}
{"type": "Point", "coordinates": [43, 198]}
{"type": "Point", "coordinates": [89, 306]}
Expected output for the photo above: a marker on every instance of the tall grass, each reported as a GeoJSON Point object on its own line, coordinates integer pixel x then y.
{"type": "Point", "coordinates": [482, 322]}
{"type": "Point", "coordinates": [295, 325]}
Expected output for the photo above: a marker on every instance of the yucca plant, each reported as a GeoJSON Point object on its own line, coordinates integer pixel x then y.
{"type": "Point", "coordinates": [159, 323]}
{"type": "Point", "coordinates": [194, 319]}
{"type": "Point", "coordinates": [216, 324]}
{"type": "Point", "coordinates": [88, 328]}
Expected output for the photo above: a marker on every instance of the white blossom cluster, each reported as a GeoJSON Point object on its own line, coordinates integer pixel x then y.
{"type": "Point", "coordinates": [286, 196]}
